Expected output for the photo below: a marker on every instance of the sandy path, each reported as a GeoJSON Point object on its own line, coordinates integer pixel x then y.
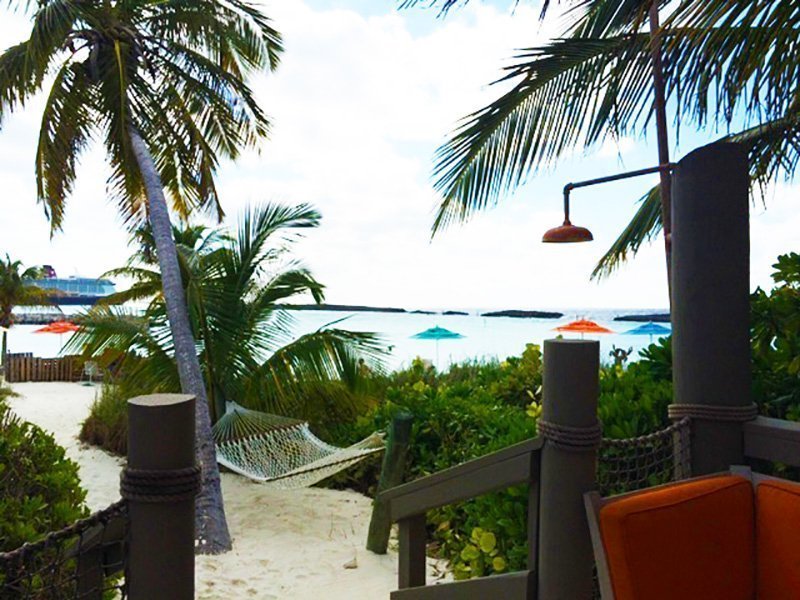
{"type": "Point", "coordinates": [287, 544]}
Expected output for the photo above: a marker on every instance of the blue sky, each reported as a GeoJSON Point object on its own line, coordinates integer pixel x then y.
{"type": "Point", "coordinates": [364, 96]}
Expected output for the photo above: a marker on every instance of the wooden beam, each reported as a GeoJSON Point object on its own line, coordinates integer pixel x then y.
{"type": "Point", "coordinates": [510, 586]}
{"type": "Point", "coordinates": [773, 439]}
{"type": "Point", "coordinates": [495, 471]}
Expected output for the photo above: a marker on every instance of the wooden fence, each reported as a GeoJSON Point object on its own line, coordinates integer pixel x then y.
{"type": "Point", "coordinates": [26, 367]}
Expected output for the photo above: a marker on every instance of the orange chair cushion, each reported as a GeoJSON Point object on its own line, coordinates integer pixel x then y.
{"type": "Point", "coordinates": [691, 540]}
{"type": "Point", "coordinates": [778, 540]}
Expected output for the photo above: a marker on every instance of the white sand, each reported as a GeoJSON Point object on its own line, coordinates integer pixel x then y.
{"type": "Point", "coordinates": [287, 544]}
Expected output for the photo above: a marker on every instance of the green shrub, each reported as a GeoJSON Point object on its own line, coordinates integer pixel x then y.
{"type": "Point", "coordinates": [39, 486]}
{"type": "Point", "coordinates": [107, 423]}
{"type": "Point", "coordinates": [476, 408]}
{"type": "Point", "coordinates": [470, 410]}
{"type": "Point", "coordinates": [775, 334]}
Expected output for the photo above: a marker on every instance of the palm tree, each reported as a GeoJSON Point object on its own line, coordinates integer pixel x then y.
{"type": "Point", "coordinates": [17, 288]}
{"type": "Point", "coordinates": [726, 63]}
{"type": "Point", "coordinates": [162, 84]}
{"type": "Point", "coordinates": [234, 285]}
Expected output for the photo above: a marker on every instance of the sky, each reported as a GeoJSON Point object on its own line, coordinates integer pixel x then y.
{"type": "Point", "coordinates": [363, 97]}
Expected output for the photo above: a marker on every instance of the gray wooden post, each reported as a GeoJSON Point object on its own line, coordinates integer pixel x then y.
{"type": "Point", "coordinates": [711, 303]}
{"type": "Point", "coordinates": [568, 467]}
{"type": "Point", "coordinates": [160, 506]}
{"type": "Point", "coordinates": [392, 472]}
{"type": "Point", "coordinates": [411, 567]}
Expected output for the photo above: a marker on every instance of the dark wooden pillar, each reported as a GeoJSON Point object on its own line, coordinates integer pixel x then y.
{"type": "Point", "coordinates": [392, 473]}
{"type": "Point", "coordinates": [711, 302]}
{"type": "Point", "coordinates": [159, 484]}
{"type": "Point", "coordinates": [568, 468]}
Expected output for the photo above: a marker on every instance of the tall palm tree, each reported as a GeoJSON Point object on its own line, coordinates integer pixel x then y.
{"type": "Point", "coordinates": [162, 84]}
{"type": "Point", "coordinates": [234, 285]}
{"type": "Point", "coordinates": [727, 64]}
{"type": "Point", "coordinates": [17, 288]}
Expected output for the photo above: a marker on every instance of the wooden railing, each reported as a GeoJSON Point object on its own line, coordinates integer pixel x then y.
{"type": "Point", "coordinates": [773, 439]}
{"type": "Point", "coordinates": [409, 503]}
{"type": "Point", "coordinates": [26, 367]}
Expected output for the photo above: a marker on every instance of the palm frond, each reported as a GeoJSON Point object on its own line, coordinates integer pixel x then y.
{"type": "Point", "coordinates": [532, 124]}
{"type": "Point", "coordinates": [325, 355]}
{"type": "Point", "coordinates": [644, 227]}
{"type": "Point", "coordinates": [64, 133]}
{"type": "Point", "coordinates": [773, 147]}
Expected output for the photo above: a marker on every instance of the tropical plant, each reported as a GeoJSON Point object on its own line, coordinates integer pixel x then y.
{"type": "Point", "coordinates": [39, 486]}
{"type": "Point", "coordinates": [17, 288]}
{"type": "Point", "coordinates": [162, 85]}
{"type": "Point", "coordinates": [234, 285]}
{"type": "Point", "coordinates": [727, 64]}
{"type": "Point", "coordinates": [775, 335]}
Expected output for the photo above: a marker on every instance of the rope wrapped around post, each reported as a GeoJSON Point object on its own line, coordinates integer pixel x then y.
{"type": "Point", "coordinates": [572, 439]}
{"type": "Point", "coordinates": [738, 414]}
{"type": "Point", "coordinates": [160, 485]}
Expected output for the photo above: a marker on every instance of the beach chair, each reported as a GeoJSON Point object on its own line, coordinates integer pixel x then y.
{"type": "Point", "coordinates": [732, 536]}
{"type": "Point", "coordinates": [90, 371]}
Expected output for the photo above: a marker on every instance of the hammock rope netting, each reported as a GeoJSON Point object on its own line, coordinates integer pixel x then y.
{"type": "Point", "coordinates": [281, 451]}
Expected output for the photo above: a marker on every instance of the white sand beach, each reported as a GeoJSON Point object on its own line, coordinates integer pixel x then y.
{"type": "Point", "coordinates": [287, 544]}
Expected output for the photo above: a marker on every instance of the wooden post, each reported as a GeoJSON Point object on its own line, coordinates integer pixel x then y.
{"type": "Point", "coordinates": [161, 543]}
{"type": "Point", "coordinates": [392, 472]}
{"type": "Point", "coordinates": [568, 468]}
{"type": "Point", "coordinates": [411, 570]}
{"type": "Point", "coordinates": [711, 303]}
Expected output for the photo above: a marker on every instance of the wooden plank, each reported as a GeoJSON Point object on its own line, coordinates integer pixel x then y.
{"type": "Point", "coordinates": [533, 511]}
{"type": "Point", "coordinates": [773, 439]}
{"type": "Point", "coordinates": [510, 586]}
{"type": "Point", "coordinates": [411, 534]}
{"type": "Point", "coordinates": [437, 491]}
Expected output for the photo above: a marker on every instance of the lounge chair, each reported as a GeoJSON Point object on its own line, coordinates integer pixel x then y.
{"type": "Point", "coordinates": [732, 536]}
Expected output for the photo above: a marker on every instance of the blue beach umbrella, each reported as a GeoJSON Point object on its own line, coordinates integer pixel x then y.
{"type": "Point", "coordinates": [437, 333]}
{"type": "Point", "coordinates": [650, 329]}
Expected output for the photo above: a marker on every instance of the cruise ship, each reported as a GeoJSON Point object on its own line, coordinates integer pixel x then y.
{"type": "Point", "coordinates": [74, 290]}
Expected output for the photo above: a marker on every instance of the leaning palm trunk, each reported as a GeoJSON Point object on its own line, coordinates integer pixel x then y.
{"type": "Point", "coordinates": [211, 529]}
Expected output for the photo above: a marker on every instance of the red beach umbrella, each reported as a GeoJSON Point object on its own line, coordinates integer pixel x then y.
{"type": "Point", "coordinates": [583, 326]}
{"type": "Point", "coordinates": [59, 327]}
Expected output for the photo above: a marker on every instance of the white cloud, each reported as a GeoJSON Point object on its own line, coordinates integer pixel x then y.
{"type": "Point", "coordinates": [359, 105]}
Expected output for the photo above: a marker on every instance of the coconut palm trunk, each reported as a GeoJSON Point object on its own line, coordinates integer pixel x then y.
{"type": "Point", "coordinates": [211, 529]}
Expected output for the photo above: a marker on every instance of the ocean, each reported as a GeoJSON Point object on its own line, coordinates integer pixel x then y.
{"type": "Point", "coordinates": [484, 337]}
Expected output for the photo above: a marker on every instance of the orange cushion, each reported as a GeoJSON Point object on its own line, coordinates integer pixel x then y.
{"type": "Point", "coordinates": [778, 540]}
{"type": "Point", "coordinates": [691, 540]}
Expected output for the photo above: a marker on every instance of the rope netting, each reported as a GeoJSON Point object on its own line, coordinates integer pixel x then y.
{"type": "Point", "coordinates": [625, 465]}
{"type": "Point", "coordinates": [629, 464]}
{"type": "Point", "coordinates": [282, 452]}
{"type": "Point", "coordinates": [85, 560]}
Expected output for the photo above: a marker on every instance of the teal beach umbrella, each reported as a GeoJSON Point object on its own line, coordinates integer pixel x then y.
{"type": "Point", "coordinates": [437, 333]}
{"type": "Point", "coordinates": [650, 329]}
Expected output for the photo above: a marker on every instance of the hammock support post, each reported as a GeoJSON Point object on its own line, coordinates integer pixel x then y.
{"type": "Point", "coordinates": [392, 472]}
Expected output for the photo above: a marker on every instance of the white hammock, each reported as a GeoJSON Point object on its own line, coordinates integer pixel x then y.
{"type": "Point", "coordinates": [280, 451]}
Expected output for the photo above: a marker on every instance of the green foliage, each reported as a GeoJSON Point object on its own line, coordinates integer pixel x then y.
{"type": "Point", "coordinates": [476, 408]}
{"type": "Point", "coordinates": [634, 401]}
{"type": "Point", "coordinates": [725, 61]}
{"type": "Point", "coordinates": [39, 486]}
{"type": "Point", "coordinates": [17, 288]}
{"type": "Point", "coordinates": [470, 410]}
{"type": "Point", "coordinates": [107, 423]}
{"type": "Point", "coordinates": [776, 342]}
{"type": "Point", "coordinates": [235, 282]}
{"type": "Point", "coordinates": [174, 72]}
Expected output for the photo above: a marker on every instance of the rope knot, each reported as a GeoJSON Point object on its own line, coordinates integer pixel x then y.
{"type": "Point", "coordinates": [162, 485]}
{"type": "Point", "coordinates": [574, 439]}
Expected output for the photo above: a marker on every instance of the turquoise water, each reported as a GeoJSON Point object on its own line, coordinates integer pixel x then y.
{"type": "Point", "coordinates": [485, 337]}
